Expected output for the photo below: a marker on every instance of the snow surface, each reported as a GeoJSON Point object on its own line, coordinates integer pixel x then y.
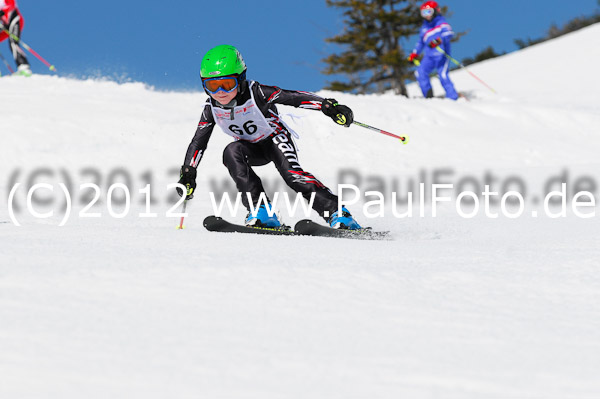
{"type": "Point", "coordinates": [451, 308]}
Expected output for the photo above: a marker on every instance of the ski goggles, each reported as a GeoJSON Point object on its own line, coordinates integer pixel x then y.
{"type": "Point", "coordinates": [225, 83]}
{"type": "Point", "coordinates": [427, 12]}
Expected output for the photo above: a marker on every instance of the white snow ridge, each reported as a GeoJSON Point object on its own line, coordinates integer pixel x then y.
{"type": "Point", "coordinates": [125, 306]}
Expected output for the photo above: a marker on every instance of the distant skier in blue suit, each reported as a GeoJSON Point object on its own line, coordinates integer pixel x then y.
{"type": "Point", "coordinates": [434, 32]}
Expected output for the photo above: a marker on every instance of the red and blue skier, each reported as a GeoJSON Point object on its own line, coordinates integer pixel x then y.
{"type": "Point", "coordinates": [435, 32]}
{"type": "Point", "coordinates": [12, 21]}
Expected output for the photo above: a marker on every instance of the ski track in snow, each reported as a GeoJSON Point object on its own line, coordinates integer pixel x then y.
{"type": "Point", "coordinates": [451, 308]}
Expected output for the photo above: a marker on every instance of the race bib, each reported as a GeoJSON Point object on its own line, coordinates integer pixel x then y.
{"type": "Point", "coordinates": [248, 123]}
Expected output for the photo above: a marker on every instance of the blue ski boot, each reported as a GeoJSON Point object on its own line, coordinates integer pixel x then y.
{"type": "Point", "coordinates": [345, 221]}
{"type": "Point", "coordinates": [262, 218]}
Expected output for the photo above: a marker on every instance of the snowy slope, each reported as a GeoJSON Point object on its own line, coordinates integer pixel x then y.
{"type": "Point", "coordinates": [451, 308]}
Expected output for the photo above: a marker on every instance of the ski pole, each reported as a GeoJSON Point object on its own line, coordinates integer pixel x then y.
{"type": "Point", "coordinates": [6, 63]}
{"type": "Point", "coordinates": [441, 50]}
{"type": "Point", "coordinates": [181, 226]}
{"type": "Point", "coordinates": [403, 139]}
{"type": "Point", "coordinates": [32, 51]}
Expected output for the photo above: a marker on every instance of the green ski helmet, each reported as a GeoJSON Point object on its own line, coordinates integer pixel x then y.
{"type": "Point", "coordinates": [223, 60]}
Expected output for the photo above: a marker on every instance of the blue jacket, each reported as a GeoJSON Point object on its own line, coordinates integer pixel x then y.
{"type": "Point", "coordinates": [431, 30]}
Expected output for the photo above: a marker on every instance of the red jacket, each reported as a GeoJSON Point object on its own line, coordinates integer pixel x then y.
{"type": "Point", "coordinates": [8, 6]}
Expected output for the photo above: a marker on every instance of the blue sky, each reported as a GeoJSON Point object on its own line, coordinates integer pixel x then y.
{"type": "Point", "coordinates": [162, 42]}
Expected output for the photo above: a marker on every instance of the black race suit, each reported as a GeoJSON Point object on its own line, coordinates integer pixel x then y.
{"type": "Point", "coordinates": [276, 146]}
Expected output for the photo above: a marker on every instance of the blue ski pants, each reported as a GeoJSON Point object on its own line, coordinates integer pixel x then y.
{"type": "Point", "coordinates": [428, 65]}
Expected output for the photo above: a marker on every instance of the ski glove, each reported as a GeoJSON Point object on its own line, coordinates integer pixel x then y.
{"type": "Point", "coordinates": [340, 114]}
{"type": "Point", "coordinates": [187, 177]}
{"type": "Point", "coordinates": [412, 57]}
{"type": "Point", "coordinates": [435, 43]}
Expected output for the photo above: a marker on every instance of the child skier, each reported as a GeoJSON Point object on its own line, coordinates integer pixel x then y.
{"type": "Point", "coordinates": [246, 110]}
{"type": "Point", "coordinates": [12, 21]}
{"type": "Point", "coordinates": [434, 32]}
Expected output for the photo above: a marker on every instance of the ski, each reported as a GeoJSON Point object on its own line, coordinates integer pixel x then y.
{"type": "Point", "coordinates": [304, 227]}
{"type": "Point", "coordinates": [215, 223]}
{"type": "Point", "coordinates": [310, 228]}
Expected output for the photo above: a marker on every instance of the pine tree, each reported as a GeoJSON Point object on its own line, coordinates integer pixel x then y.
{"type": "Point", "coordinates": [374, 59]}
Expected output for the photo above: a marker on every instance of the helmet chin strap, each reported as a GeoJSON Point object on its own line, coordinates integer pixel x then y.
{"type": "Point", "coordinates": [231, 105]}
